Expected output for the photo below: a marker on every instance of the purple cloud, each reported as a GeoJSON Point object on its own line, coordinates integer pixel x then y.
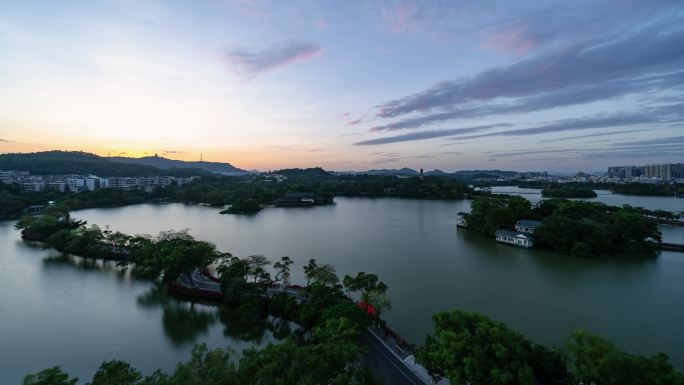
{"type": "Point", "coordinates": [256, 61]}
{"type": "Point", "coordinates": [649, 51]}
{"type": "Point", "coordinates": [356, 121]}
{"type": "Point", "coordinates": [428, 135]}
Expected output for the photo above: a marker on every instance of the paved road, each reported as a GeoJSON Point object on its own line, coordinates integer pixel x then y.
{"type": "Point", "coordinates": [388, 363]}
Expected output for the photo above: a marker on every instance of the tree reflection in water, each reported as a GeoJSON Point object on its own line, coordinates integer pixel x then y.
{"type": "Point", "coordinates": [185, 320]}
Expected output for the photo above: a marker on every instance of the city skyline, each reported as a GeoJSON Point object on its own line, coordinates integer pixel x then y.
{"type": "Point", "coordinates": [348, 86]}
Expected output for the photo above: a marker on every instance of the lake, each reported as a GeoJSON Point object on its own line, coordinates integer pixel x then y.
{"type": "Point", "coordinates": [61, 311]}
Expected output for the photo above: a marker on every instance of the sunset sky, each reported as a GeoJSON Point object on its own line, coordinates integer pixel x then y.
{"type": "Point", "coordinates": [348, 85]}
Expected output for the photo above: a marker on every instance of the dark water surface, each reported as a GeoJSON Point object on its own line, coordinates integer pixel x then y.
{"type": "Point", "coordinates": [54, 311]}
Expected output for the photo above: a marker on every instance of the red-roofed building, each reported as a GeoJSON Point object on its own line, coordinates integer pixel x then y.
{"type": "Point", "coordinates": [368, 308]}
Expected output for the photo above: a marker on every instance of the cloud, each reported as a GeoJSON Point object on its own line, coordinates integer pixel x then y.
{"type": "Point", "coordinates": [169, 152]}
{"type": "Point", "coordinates": [356, 121]}
{"type": "Point", "coordinates": [668, 114]}
{"type": "Point", "coordinates": [656, 142]}
{"type": "Point", "coordinates": [654, 148]}
{"type": "Point", "coordinates": [516, 39]}
{"type": "Point", "coordinates": [428, 135]}
{"type": "Point", "coordinates": [391, 158]}
{"type": "Point", "coordinates": [601, 121]}
{"type": "Point", "coordinates": [562, 98]}
{"type": "Point", "coordinates": [435, 19]}
{"type": "Point", "coordinates": [589, 136]}
{"type": "Point", "coordinates": [649, 58]}
{"type": "Point", "coordinates": [255, 61]}
{"type": "Point", "coordinates": [5, 141]}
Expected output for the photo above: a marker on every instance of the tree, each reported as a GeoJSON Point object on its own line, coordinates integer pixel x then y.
{"type": "Point", "coordinates": [364, 284]}
{"type": "Point", "coordinates": [206, 368]}
{"type": "Point", "coordinates": [380, 301]}
{"type": "Point", "coordinates": [51, 376]}
{"type": "Point", "coordinates": [323, 275]}
{"type": "Point", "coordinates": [470, 348]}
{"type": "Point", "coordinates": [116, 372]}
{"type": "Point", "coordinates": [233, 275]}
{"type": "Point", "coordinates": [595, 360]}
{"type": "Point", "coordinates": [282, 268]}
{"type": "Point", "coordinates": [257, 269]}
{"type": "Point", "coordinates": [309, 270]}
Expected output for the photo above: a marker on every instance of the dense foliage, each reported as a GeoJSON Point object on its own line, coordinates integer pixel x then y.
{"type": "Point", "coordinates": [243, 206]}
{"type": "Point", "coordinates": [594, 229]}
{"type": "Point", "coordinates": [468, 348]}
{"type": "Point", "coordinates": [245, 194]}
{"type": "Point", "coordinates": [487, 214]}
{"type": "Point", "coordinates": [648, 189]}
{"type": "Point", "coordinates": [578, 228]}
{"type": "Point", "coordinates": [82, 163]}
{"type": "Point", "coordinates": [595, 360]}
{"type": "Point", "coordinates": [561, 191]}
{"type": "Point", "coordinates": [15, 201]}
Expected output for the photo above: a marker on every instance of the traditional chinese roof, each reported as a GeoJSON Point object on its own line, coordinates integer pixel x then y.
{"type": "Point", "coordinates": [528, 223]}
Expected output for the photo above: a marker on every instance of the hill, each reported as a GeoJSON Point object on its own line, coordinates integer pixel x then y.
{"type": "Point", "coordinates": [404, 171]}
{"type": "Point", "coordinates": [294, 173]}
{"type": "Point", "coordinates": [83, 163]}
{"type": "Point", "coordinates": [166, 164]}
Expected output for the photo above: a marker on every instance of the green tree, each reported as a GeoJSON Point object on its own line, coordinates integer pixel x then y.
{"type": "Point", "coordinates": [116, 372]}
{"type": "Point", "coordinates": [282, 268]}
{"type": "Point", "coordinates": [51, 376]}
{"type": "Point", "coordinates": [470, 348]}
{"type": "Point", "coordinates": [595, 360]}
{"type": "Point", "coordinates": [233, 275]}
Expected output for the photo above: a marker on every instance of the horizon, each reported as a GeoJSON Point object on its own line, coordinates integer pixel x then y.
{"type": "Point", "coordinates": [348, 86]}
{"type": "Point", "coordinates": [398, 168]}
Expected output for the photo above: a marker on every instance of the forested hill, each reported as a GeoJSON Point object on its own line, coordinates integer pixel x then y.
{"type": "Point", "coordinates": [165, 163]}
{"type": "Point", "coordinates": [82, 163]}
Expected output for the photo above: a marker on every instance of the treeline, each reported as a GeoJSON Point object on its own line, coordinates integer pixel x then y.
{"type": "Point", "coordinates": [15, 201]}
{"type": "Point", "coordinates": [577, 228]}
{"type": "Point", "coordinates": [83, 163]}
{"type": "Point", "coordinates": [648, 189]}
{"type": "Point", "coordinates": [642, 189]}
{"type": "Point", "coordinates": [556, 190]}
{"type": "Point", "coordinates": [468, 348]}
{"type": "Point", "coordinates": [247, 194]}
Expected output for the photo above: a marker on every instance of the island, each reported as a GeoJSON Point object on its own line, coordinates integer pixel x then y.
{"type": "Point", "coordinates": [576, 228]}
{"type": "Point", "coordinates": [560, 191]}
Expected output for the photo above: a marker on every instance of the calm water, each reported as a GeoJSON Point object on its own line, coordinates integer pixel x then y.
{"type": "Point", "coordinates": [57, 312]}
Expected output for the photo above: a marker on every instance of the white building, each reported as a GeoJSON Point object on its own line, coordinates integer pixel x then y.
{"type": "Point", "coordinates": [515, 238]}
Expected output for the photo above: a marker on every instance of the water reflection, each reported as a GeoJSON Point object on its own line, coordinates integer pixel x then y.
{"type": "Point", "coordinates": [183, 322]}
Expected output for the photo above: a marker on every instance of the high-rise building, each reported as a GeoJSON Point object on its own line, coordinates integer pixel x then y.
{"type": "Point", "coordinates": [659, 170]}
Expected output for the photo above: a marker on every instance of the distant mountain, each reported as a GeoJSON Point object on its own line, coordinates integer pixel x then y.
{"type": "Point", "coordinates": [403, 171]}
{"type": "Point", "coordinates": [437, 172]}
{"type": "Point", "coordinates": [166, 164]}
{"type": "Point", "coordinates": [83, 163]}
{"type": "Point", "coordinates": [315, 172]}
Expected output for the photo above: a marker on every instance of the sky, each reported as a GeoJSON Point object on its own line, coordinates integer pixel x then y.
{"type": "Point", "coordinates": [348, 85]}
